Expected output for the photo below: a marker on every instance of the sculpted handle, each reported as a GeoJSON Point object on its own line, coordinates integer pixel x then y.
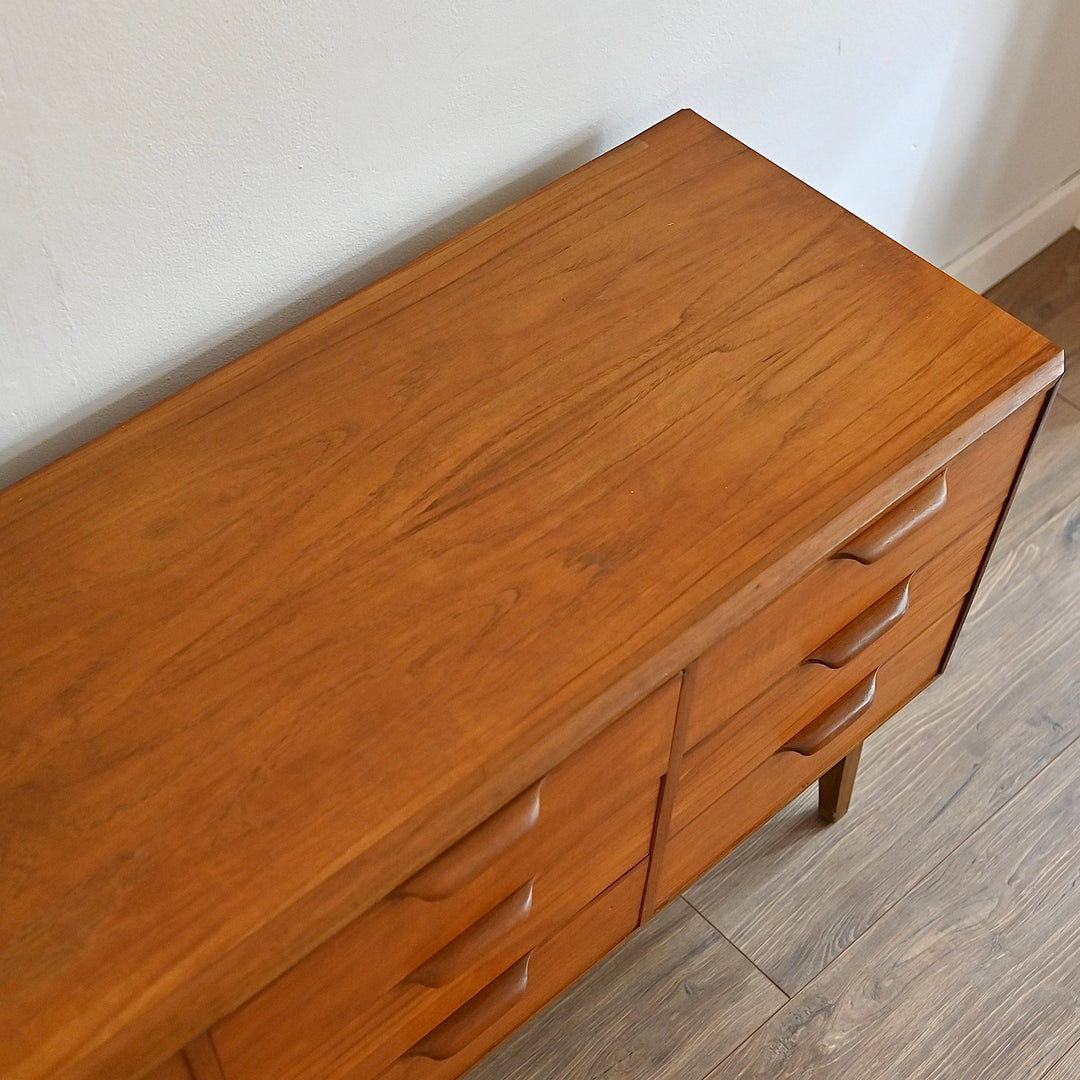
{"type": "Point", "coordinates": [838, 716]}
{"type": "Point", "coordinates": [472, 944]}
{"type": "Point", "coordinates": [879, 537]}
{"type": "Point", "coordinates": [864, 629]}
{"type": "Point", "coordinates": [476, 1015]}
{"type": "Point", "coordinates": [476, 851]}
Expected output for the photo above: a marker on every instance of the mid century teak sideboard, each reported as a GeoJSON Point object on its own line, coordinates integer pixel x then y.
{"type": "Point", "coordinates": [359, 697]}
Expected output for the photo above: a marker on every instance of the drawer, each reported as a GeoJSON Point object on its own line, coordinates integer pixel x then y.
{"type": "Point", "coordinates": [744, 740]}
{"type": "Point", "coordinates": [327, 1036]}
{"type": "Point", "coordinates": [525, 987]}
{"type": "Point", "coordinates": [782, 775]}
{"type": "Point", "coordinates": [970, 490]}
{"type": "Point", "coordinates": [570, 835]}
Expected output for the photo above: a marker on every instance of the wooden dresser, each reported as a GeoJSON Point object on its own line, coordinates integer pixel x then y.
{"type": "Point", "coordinates": [362, 695]}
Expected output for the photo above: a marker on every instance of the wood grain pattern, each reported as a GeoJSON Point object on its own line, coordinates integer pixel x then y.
{"type": "Point", "coordinates": [905, 796]}
{"type": "Point", "coordinates": [669, 791]}
{"type": "Point", "coordinates": [920, 995]}
{"type": "Point", "coordinates": [866, 628]}
{"type": "Point", "coordinates": [758, 795]}
{"type": "Point", "coordinates": [1051, 479]}
{"type": "Point", "coordinates": [785, 708]}
{"type": "Point", "coordinates": [478, 1014]}
{"type": "Point", "coordinates": [1044, 402]}
{"type": "Point", "coordinates": [315, 1023]}
{"type": "Point", "coordinates": [1068, 1068]}
{"type": "Point", "coordinates": [274, 644]}
{"type": "Point", "coordinates": [173, 1069]}
{"type": "Point", "coordinates": [778, 637]}
{"type": "Point", "coordinates": [355, 1000]}
{"type": "Point", "coordinates": [836, 787]}
{"type": "Point", "coordinates": [471, 947]}
{"type": "Point", "coordinates": [666, 1005]}
{"type": "Point", "coordinates": [882, 535]}
{"type": "Point", "coordinates": [835, 719]}
{"type": "Point", "coordinates": [476, 852]}
{"type": "Point", "coordinates": [795, 895]}
{"type": "Point", "coordinates": [202, 1060]}
{"type": "Point", "coordinates": [591, 934]}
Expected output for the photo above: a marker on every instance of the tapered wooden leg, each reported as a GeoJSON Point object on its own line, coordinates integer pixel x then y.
{"type": "Point", "coordinates": [835, 787]}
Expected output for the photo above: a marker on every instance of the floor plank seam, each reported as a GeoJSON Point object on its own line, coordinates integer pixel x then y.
{"type": "Point", "coordinates": [738, 1046]}
{"type": "Point", "coordinates": [1055, 1064]}
{"type": "Point", "coordinates": [764, 974]}
{"type": "Point", "coordinates": [930, 870]}
{"type": "Point", "coordinates": [806, 986]}
{"type": "Point", "coordinates": [1064, 512]}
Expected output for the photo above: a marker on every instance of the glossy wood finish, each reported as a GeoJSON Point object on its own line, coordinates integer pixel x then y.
{"type": "Point", "coordinates": [756, 797]}
{"type": "Point", "coordinates": [865, 629]}
{"type": "Point", "coordinates": [498, 1010]}
{"type": "Point", "coordinates": [274, 645]}
{"type": "Point", "coordinates": [808, 691]}
{"type": "Point", "coordinates": [795, 895]}
{"type": "Point", "coordinates": [348, 1009]}
{"type": "Point", "coordinates": [666, 1005]}
{"type": "Point", "coordinates": [883, 535]}
{"type": "Point", "coordinates": [669, 790]}
{"type": "Point", "coordinates": [839, 590]}
{"type": "Point", "coordinates": [463, 863]}
{"type": "Point", "coordinates": [201, 1059]}
{"type": "Point", "coordinates": [836, 719]}
{"type": "Point", "coordinates": [798, 893]}
{"type": "Point", "coordinates": [173, 1069]}
{"type": "Point", "coordinates": [477, 1015]}
{"type": "Point", "coordinates": [964, 757]}
{"type": "Point", "coordinates": [316, 1024]}
{"type": "Point", "coordinates": [468, 949]}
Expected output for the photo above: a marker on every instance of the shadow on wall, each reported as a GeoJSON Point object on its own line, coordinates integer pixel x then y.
{"type": "Point", "coordinates": [959, 129]}
{"type": "Point", "coordinates": [98, 416]}
{"type": "Point", "coordinates": [1000, 169]}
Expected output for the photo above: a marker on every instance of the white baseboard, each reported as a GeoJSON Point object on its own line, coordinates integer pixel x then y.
{"type": "Point", "coordinates": [1000, 253]}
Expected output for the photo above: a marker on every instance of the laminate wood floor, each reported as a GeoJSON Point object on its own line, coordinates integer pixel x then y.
{"type": "Point", "coordinates": [934, 931]}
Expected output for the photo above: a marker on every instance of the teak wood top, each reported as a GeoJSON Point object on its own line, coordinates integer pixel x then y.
{"type": "Point", "coordinates": [272, 644]}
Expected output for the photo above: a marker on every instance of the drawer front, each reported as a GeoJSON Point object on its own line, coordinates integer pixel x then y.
{"type": "Point", "coordinates": [808, 754]}
{"type": "Point", "coordinates": [969, 492]}
{"type": "Point", "coordinates": [570, 836]}
{"type": "Point", "coordinates": [173, 1069]}
{"type": "Point", "coordinates": [334, 1039]}
{"type": "Point", "coordinates": [447, 1050]}
{"type": "Point", "coordinates": [906, 609]}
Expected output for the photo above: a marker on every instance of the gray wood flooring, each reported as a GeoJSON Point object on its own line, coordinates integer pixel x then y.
{"type": "Point", "coordinates": [1068, 1068]}
{"type": "Point", "coordinates": [933, 932]}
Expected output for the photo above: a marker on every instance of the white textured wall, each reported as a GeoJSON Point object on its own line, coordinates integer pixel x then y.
{"type": "Point", "coordinates": [181, 178]}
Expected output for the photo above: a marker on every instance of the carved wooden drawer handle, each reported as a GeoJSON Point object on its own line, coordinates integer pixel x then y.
{"type": "Point", "coordinates": [475, 852]}
{"type": "Point", "coordinates": [476, 1015]}
{"type": "Point", "coordinates": [878, 538]}
{"type": "Point", "coordinates": [864, 629]}
{"type": "Point", "coordinates": [834, 719]}
{"type": "Point", "coordinates": [471, 944]}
